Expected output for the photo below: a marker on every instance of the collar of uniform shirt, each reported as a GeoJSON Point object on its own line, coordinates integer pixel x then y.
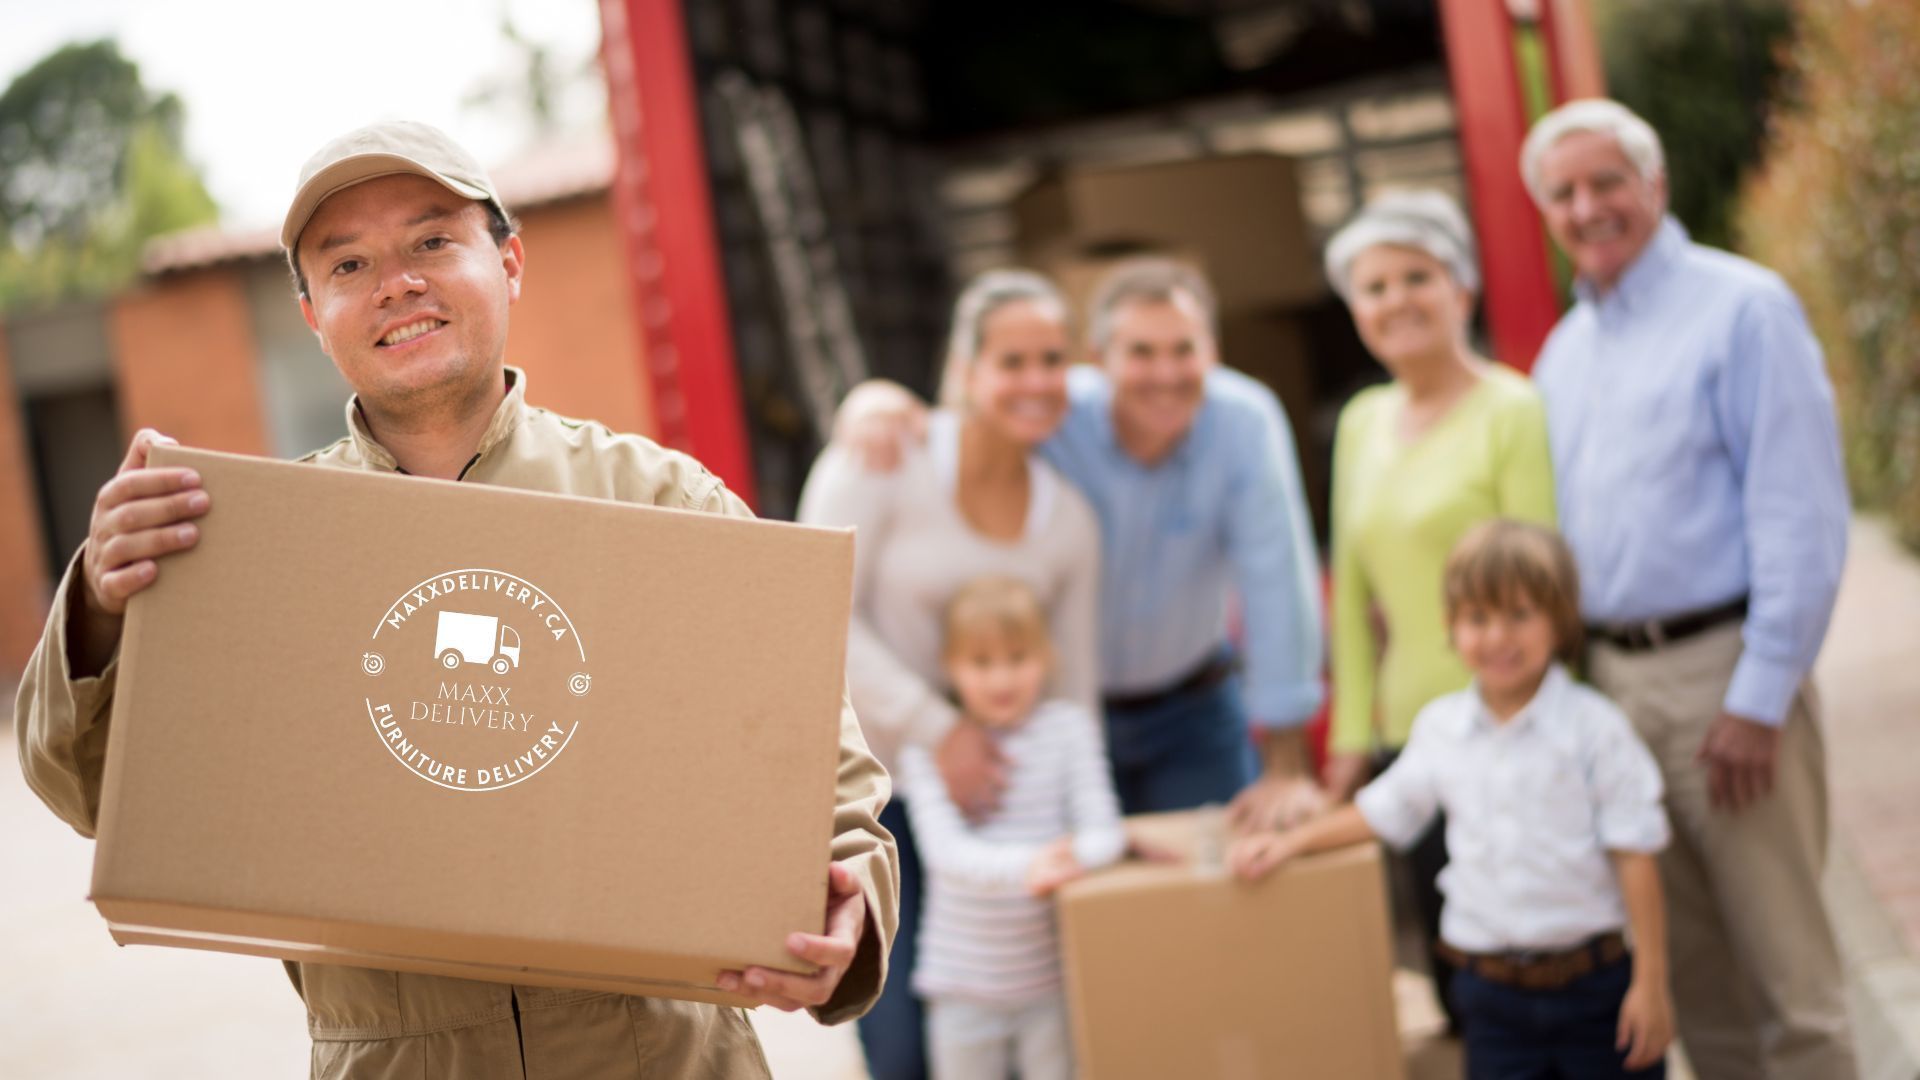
{"type": "Point", "coordinates": [506, 418]}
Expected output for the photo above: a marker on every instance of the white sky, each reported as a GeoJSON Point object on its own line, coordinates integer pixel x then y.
{"type": "Point", "coordinates": [266, 82]}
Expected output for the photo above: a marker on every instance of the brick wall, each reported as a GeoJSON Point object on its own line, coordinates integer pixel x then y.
{"type": "Point", "coordinates": [186, 363]}
{"type": "Point", "coordinates": [573, 329]}
{"type": "Point", "coordinates": [24, 589]}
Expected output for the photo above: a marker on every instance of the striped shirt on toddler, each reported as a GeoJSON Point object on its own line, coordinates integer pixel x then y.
{"type": "Point", "coordinates": [983, 937]}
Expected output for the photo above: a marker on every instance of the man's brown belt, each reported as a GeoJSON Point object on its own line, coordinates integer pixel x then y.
{"type": "Point", "coordinates": [1653, 633]}
{"type": "Point", "coordinates": [1205, 677]}
{"type": "Point", "coordinates": [1539, 970]}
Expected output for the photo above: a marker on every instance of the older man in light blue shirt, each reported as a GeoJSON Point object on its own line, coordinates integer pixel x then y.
{"type": "Point", "coordinates": [1700, 485]}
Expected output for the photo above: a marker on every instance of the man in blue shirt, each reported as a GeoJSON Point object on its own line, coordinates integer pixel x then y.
{"type": "Point", "coordinates": [1192, 470]}
{"type": "Point", "coordinates": [1700, 486]}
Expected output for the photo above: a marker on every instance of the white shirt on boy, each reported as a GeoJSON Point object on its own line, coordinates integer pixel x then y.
{"type": "Point", "coordinates": [1533, 806]}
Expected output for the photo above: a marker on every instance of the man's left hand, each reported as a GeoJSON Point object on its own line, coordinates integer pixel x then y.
{"type": "Point", "coordinates": [1285, 795]}
{"type": "Point", "coordinates": [1275, 802]}
{"type": "Point", "coordinates": [1739, 756]}
{"type": "Point", "coordinates": [832, 952]}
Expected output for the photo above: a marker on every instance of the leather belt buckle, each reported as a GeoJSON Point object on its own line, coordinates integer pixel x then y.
{"type": "Point", "coordinates": [1637, 636]}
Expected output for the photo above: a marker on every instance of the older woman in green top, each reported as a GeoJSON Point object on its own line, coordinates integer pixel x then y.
{"type": "Point", "coordinates": [1452, 440]}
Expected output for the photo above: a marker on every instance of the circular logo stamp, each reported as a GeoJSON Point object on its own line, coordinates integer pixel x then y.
{"type": "Point", "coordinates": [477, 671]}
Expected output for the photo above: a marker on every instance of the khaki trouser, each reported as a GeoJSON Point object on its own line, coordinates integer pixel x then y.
{"type": "Point", "coordinates": [1757, 982]}
{"type": "Point", "coordinates": [385, 1025]}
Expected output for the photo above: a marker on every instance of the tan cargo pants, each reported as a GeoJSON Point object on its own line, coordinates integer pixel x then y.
{"type": "Point", "coordinates": [1757, 980]}
{"type": "Point", "coordinates": [384, 1025]}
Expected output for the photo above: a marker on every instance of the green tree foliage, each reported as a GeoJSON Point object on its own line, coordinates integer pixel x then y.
{"type": "Point", "coordinates": [1836, 208]}
{"type": "Point", "coordinates": [1701, 72]}
{"type": "Point", "coordinates": [91, 167]}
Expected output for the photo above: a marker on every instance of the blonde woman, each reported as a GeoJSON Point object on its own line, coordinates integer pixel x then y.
{"type": "Point", "coordinates": [973, 500]}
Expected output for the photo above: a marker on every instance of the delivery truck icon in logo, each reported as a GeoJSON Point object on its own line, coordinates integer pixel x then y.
{"type": "Point", "coordinates": [468, 733]}
{"type": "Point", "coordinates": [476, 639]}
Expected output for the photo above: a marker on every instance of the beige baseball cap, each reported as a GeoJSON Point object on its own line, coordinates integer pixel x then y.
{"type": "Point", "coordinates": [384, 149]}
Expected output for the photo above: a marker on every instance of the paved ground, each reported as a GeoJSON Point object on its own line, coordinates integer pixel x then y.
{"type": "Point", "coordinates": [1869, 679]}
{"type": "Point", "coordinates": [73, 1005]}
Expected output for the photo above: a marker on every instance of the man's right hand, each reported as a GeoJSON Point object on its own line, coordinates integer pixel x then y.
{"type": "Point", "coordinates": [1741, 757]}
{"type": "Point", "coordinates": [140, 516]}
{"type": "Point", "coordinates": [973, 767]}
{"type": "Point", "coordinates": [875, 419]}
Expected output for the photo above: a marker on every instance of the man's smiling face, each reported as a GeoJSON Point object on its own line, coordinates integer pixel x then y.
{"type": "Point", "coordinates": [407, 290]}
{"type": "Point", "coordinates": [1598, 207]}
{"type": "Point", "coordinates": [1158, 355]}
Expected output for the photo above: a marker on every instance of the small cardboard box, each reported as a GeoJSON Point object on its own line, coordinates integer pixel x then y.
{"type": "Point", "coordinates": [1180, 970]}
{"type": "Point", "coordinates": [1240, 214]}
{"type": "Point", "coordinates": [474, 731]}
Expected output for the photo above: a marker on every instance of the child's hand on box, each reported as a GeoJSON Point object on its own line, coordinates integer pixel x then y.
{"type": "Point", "coordinates": [1053, 868]}
{"type": "Point", "coordinates": [1646, 1023]}
{"type": "Point", "coordinates": [1146, 849]}
{"type": "Point", "coordinates": [1254, 857]}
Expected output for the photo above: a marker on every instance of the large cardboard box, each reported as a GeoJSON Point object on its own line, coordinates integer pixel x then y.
{"type": "Point", "coordinates": [1178, 970]}
{"type": "Point", "coordinates": [1239, 214]}
{"type": "Point", "coordinates": [473, 731]}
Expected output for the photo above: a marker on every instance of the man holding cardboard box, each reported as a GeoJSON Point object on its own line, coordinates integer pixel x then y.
{"type": "Point", "coordinates": [406, 264]}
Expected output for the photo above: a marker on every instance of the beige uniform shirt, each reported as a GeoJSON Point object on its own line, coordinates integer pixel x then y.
{"type": "Point", "coordinates": [384, 1024]}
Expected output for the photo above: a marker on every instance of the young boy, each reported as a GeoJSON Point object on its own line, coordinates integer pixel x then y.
{"type": "Point", "coordinates": [989, 961]}
{"type": "Point", "coordinates": [1553, 824]}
